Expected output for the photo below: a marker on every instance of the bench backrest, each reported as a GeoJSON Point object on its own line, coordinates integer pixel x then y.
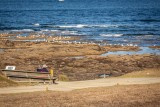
{"type": "Point", "coordinates": [10, 68]}
{"type": "Point", "coordinates": [22, 71]}
{"type": "Point", "coordinates": [26, 73]}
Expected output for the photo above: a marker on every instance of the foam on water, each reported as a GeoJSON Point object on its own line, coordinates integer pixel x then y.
{"type": "Point", "coordinates": [111, 35]}
{"type": "Point", "coordinates": [23, 30]}
{"type": "Point", "coordinates": [45, 30]}
{"type": "Point", "coordinates": [58, 32]}
{"type": "Point", "coordinates": [73, 26]}
{"type": "Point", "coordinates": [86, 26]}
{"type": "Point", "coordinates": [69, 32]}
{"type": "Point", "coordinates": [36, 24]}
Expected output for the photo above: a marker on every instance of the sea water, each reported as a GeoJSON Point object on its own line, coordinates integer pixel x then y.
{"type": "Point", "coordinates": [115, 21]}
{"type": "Point", "coordinates": [143, 50]}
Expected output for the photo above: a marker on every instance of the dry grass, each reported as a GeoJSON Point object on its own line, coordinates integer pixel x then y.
{"type": "Point", "coordinates": [4, 82]}
{"type": "Point", "coordinates": [63, 77]}
{"type": "Point", "coordinates": [116, 96]}
{"type": "Point", "coordinates": [155, 72]}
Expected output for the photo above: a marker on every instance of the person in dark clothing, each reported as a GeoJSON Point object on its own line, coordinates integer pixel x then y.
{"type": "Point", "coordinates": [39, 69]}
{"type": "Point", "coordinates": [44, 68]}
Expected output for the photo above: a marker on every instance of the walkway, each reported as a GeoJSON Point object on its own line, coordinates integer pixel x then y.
{"type": "Point", "coordinates": [69, 86]}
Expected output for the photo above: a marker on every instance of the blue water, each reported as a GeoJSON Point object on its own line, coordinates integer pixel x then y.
{"type": "Point", "coordinates": [116, 21]}
{"type": "Point", "coordinates": [144, 50]}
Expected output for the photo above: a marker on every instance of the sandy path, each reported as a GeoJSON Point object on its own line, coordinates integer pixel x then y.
{"type": "Point", "coordinates": [68, 86]}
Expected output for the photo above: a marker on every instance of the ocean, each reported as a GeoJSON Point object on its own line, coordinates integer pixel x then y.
{"type": "Point", "coordinates": [114, 21]}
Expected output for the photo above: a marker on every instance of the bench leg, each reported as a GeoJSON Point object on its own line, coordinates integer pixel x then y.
{"type": "Point", "coordinates": [50, 82]}
{"type": "Point", "coordinates": [44, 82]}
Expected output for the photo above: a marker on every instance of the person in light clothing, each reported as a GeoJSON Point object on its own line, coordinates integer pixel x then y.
{"type": "Point", "coordinates": [51, 72]}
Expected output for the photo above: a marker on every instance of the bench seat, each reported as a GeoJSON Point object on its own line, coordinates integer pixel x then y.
{"type": "Point", "coordinates": [45, 76]}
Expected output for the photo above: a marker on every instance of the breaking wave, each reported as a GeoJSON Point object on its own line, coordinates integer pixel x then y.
{"type": "Point", "coordinates": [23, 30]}
{"type": "Point", "coordinates": [111, 35]}
{"type": "Point", "coordinates": [87, 26]}
{"type": "Point", "coordinates": [76, 26]}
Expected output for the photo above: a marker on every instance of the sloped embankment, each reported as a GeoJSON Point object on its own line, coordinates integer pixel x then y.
{"type": "Point", "coordinates": [4, 82]}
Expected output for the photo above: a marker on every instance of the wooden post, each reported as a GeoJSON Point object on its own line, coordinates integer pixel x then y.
{"type": "Point", "coordinates": [27, 75]}
{"type": "Point", "coordinates": [44, 82]}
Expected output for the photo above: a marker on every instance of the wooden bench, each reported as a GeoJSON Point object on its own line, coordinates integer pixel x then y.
{"type": "Point", "coordinates": [29, 75]}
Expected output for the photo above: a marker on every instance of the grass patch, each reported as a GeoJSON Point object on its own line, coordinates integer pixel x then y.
{"type": "Point", "coordinates": [5, 82]}
{"type": "Point", "coordinates": [115, 96]}
{"type": "Point", "coordinates": [63, 77]}
{"type": "Point", "coordinates": [155, 72]}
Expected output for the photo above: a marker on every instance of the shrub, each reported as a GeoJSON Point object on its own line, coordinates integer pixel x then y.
{"type": "Point", "coordinates": [63, 77]}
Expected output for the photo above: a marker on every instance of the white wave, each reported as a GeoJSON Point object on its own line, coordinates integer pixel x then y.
{"type": "Point", "coordinates": [74, 26]}
{"type": "Point", "coordinates": [44, 30]}
{"type": "Point", "coordinates": [87, 26]}
{"type": "Point", "coordinates": [36, 24]}
{"type": "Point", "coordinates": [104, 25]}
{"type": "Point", "coordinates": [111, 35]}
{"type": "Point", "coordinates": [54, 30]}
{"type": "Point", "coordinates": [69, 32]}
{"type": "Point", "coordinates": [148, 35]}
{"type": "Point", "coordinates": [60, 0]}
{"type": "Point", "coordinates": [81, 26]}
{"type": "Point", "coordinates": [67, 26]}
{"type": "Point", "coordinates": [23, 30]}
{"type": "Point", "coordinates": [66, 32]}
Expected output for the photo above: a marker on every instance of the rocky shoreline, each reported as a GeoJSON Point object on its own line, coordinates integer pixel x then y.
{"type": "Point", "coordinates": [76, 60]}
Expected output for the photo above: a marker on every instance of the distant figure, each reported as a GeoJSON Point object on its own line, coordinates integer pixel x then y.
{"type": "Point", "coordinates": [44, 68]}
{"type": "Point", "coordinates": [39, 68]}
{"type": "Point", "coordinates": [51, 72]}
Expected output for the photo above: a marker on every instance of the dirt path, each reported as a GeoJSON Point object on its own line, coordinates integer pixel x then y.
{"type": "Point", "coordinates": [68, 86]}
